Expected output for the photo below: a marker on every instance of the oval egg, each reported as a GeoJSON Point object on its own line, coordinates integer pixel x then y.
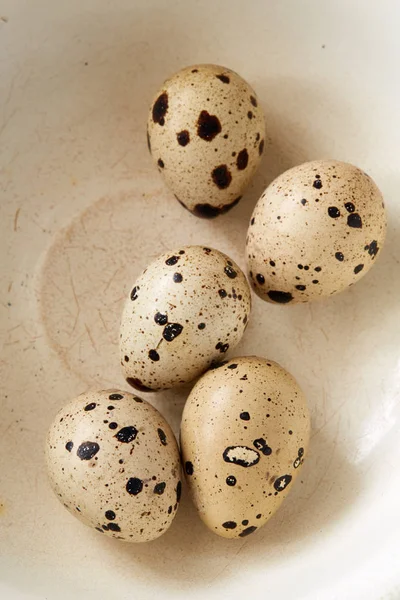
{"type": "Point", "coordinates": [206, 134]}
{"type": "Point", "coordinates": [244, 437]}
{"type": "Point", "coordinates": [316, 230]}
{"type": "Point", "coordinates": [114, 463]}
{"type": "Point", "coordinates": [184, 312]}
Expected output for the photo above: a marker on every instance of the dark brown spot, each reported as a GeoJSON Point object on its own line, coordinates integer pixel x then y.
{"type": "Point", "coordinates": [178, 491]}
{"type": "Point", "coordinates": [223, 78]}
{"type": "Point", "coordinates": [87, 450]}
{"type": "Point", "coordinates": [230, 272]}
{"type": "Point", "coordinates": [172, 260]}
{"type": "Point", "coordinates": [354, 220]}
{"type": "Point", "coordinates": [154, 356]}
{"type": "Point", "coordinates": [160, 109]}
{"type": "Point", "coordinates": [183, 137]}
{"type": "Point", "coordinates": [261, 147]}
{"type": "Point", "coordinates": [358, 268]}
{"type": "Point", "coordinates": [134, 486]}
{"type": "Point", "coordinates": [260, 278]}
{"type": "Point", "coordinates": [247, 531]}
{"type": "Point", "coordinates": [160, 318]}
{"type": "Point", "coordinates": [160, 163]}
{"type": "Point", "coordinates": [253, 101]}
{"type": "Point", "coordinates": [208, 126]}
{"type": "Point", "coordinates": [127, 434]}
{"type": "Point", "coordinates": [221, 177]}
{"type": "Point", "coordinates": [148, 142]}
{"type": "Point", "coordinates": [317, 184]}
{"type": "Point", "coordinates": [206, 211]}
{"type": "Point", "coordinates": [339, 256]}
{"type": "Point", "coordinates": [242, 159]}
{"type": "Point", "coordinates": [229, 525]}
{"type": "Point", "coordinates": [281, 297]}
{"type": "Point", "coordinates": [250, 114]}
{"type": "Point", "coordinates": [282, 482]}
{"type": "Point", "coordinates": [162, 436]}
{"type": "Point", "coordinates": [372, 248]}
{"type": "Point", "coordinates": [333, 212]}
{"type": "Point", "coordinates": [171, 331]}
{"type": "Point", "coordinates": [159, 488]}
{"type": "Point", "coordinates": [349, 206]}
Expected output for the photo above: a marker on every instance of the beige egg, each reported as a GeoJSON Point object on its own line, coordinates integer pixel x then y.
{"type": "Point", "coordinates": [206, 133]}
{"type": "Point", "coordinates": [244, 436]}
{"type": "Point", "coordinates": [183, 314]}
{"type": "Point", "coordinates": [316, 230]}
{"type": "Point", "coordinates": [114, 463]}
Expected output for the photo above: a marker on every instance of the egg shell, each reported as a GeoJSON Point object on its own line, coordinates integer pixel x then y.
{"type": "Point", "coordinates": [316, 230]}
{"type": "Point", "coordinates": [114, 463]}
{"type": "Point", "coordinates": [184, 312]}
{"type": "Point", "coordinates": [244, 436]}
{"type": "Point", "coordinates": [206, 134]}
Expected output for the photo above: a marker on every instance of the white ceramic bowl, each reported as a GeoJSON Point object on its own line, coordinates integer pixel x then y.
{"type": "Point", "coordinates": [82, 212]}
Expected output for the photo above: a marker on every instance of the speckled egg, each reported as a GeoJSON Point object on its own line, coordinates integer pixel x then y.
{"type": "Point", "coordinates": [114, 463]}
{"type": "Point", "coordinates": [206, 133]}
{"type": "Point", "coordinates": [183, 314]}
{"type": "Point", "coordinates": [316, 230]}
{"type": "Point", "coordinates": [244, 437]}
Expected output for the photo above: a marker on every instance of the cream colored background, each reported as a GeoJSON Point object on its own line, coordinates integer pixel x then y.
{"type": "Point", "coordinates": [83, 210]}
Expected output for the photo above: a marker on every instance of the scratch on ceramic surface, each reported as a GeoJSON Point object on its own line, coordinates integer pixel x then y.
{"type": "Point", "coordinates": [91, 338]}
{"type": "Point", "coordinates": [335, 412]}
{"type": "Point", "coordinates": [120, 159]}
{"type": "Point", "coordinates": [75, 296]}
{"type": "Point", "coordinates": [111, 279]}
{"type": "Point", "coordinates": [231, 561]}
{"type": "Point", "coordinates": [65, 351]}
{"type": "Point", "coordinates": [37, 224]}
{"type": "Point", "coordinates": [102, 320]}
{"type": "Point", "coordinates": [325, 334]}
{"type": "Point", "coordinates": [16, 218]}
{"type": "Point", "coordinates": [82, 222]}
